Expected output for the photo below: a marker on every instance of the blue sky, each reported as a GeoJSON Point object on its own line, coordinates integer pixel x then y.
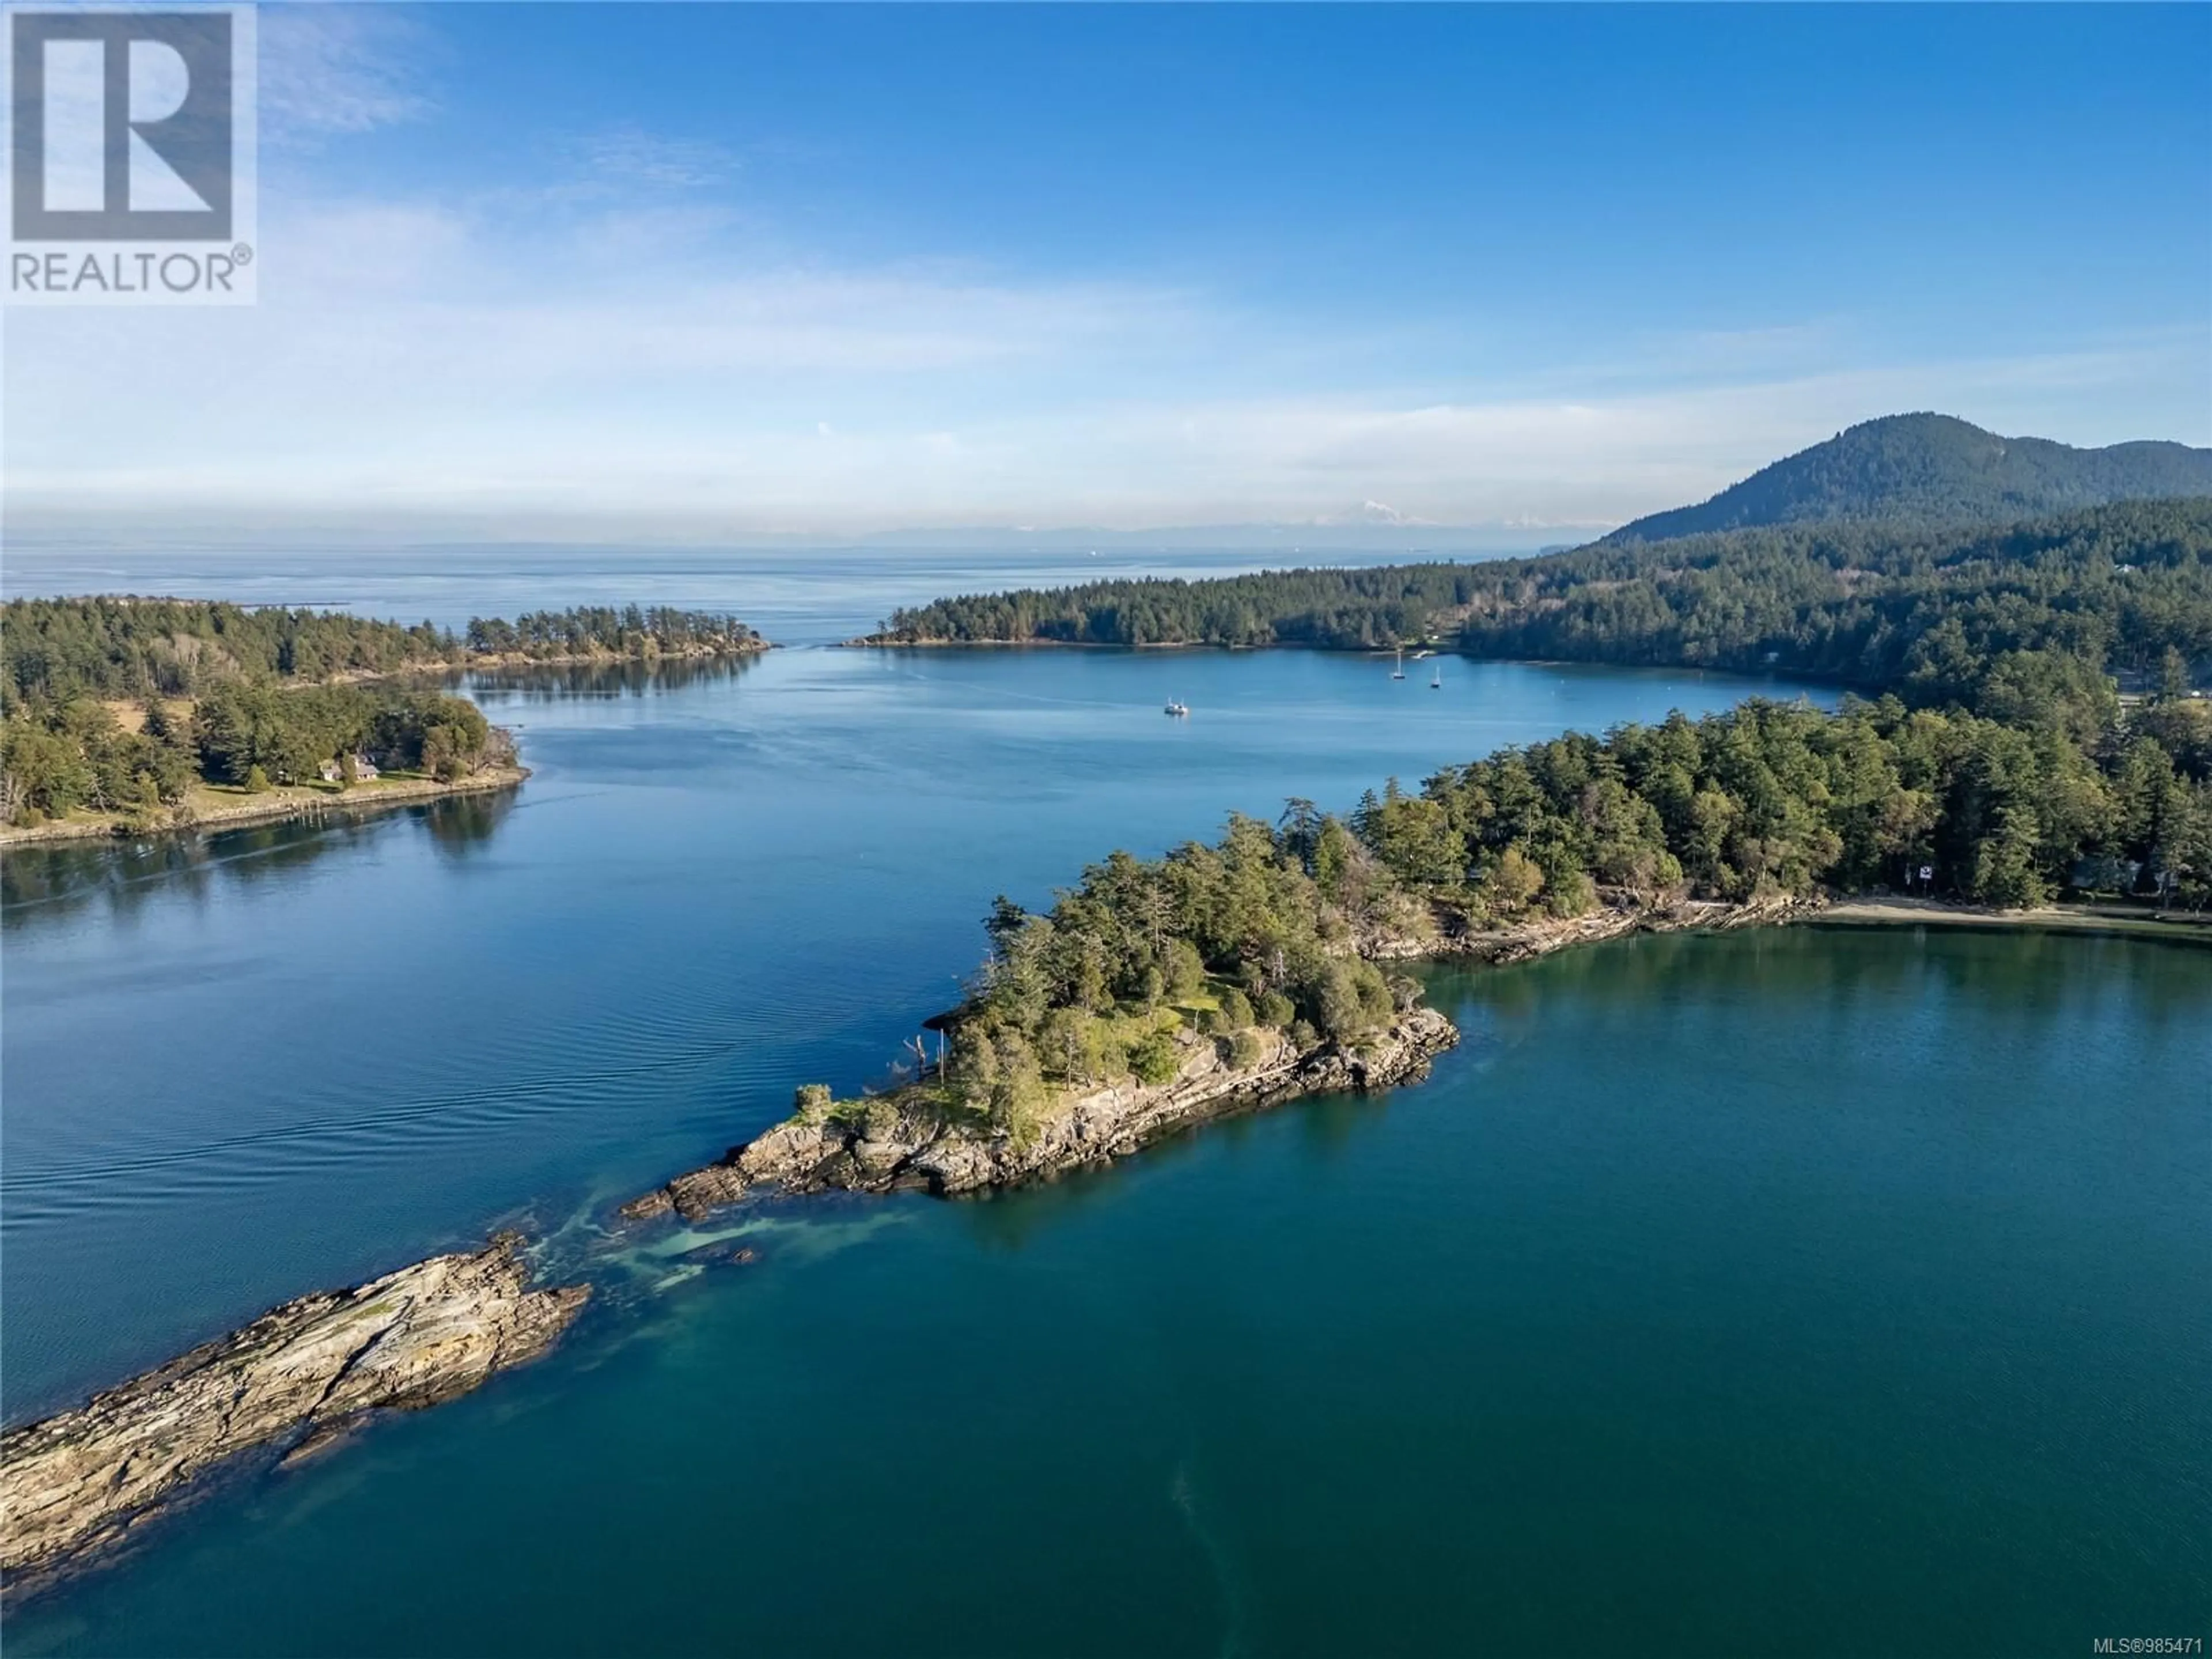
{"type": "Point", "coordinates": [694, 271]}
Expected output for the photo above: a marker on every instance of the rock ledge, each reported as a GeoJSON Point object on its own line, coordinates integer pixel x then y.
{"type": "Point", "coordinates": [297, 1376]}
{"type": "Point", "coordinates": [920, 1151]}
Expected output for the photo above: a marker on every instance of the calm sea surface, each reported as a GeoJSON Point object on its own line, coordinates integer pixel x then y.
{"type": "Point", "coordinates": [798, 596]}
{"type": "Point", "coordinates": [1816, 1291]}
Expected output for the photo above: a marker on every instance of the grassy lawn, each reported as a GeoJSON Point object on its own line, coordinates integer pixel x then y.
{"type": "Point", "coordinates": [204, 797]}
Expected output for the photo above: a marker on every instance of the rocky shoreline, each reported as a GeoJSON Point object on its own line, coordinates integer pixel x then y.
{"type": "Point", "coordinates": [303, 1374]}
{"type": "Point", "coordinates": [292, 1382]}
{"type": "Point", "coordinates": [913, 1145]}
{"type": "Point", "coordinates": [600, 657]}
{"type": "Point", "coordinates": [909, 1144]}
{"type": "Point", "coordinates": [1619, 914]}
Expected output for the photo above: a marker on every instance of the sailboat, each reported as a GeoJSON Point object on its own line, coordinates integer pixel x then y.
{"type": "Point", "coordinates": [1438, 683]}
{"type": "Point", "coordinates": [1399, 672]}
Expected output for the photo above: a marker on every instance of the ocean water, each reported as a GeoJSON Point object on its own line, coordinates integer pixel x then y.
{"type": "Point", "coordinates": [240, 1067]}
{"type": "Point", "coordinates": [1816, 1291]}
{"type": "Point", "coordinates": [796, 595]}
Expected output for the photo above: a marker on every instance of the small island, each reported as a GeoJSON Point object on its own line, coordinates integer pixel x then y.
{"type": "Point", "coordinates": [128, 716]}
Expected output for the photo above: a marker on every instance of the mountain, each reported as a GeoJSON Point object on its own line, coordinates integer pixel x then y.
{"type": "Point", "coordinates": [1934, 468]}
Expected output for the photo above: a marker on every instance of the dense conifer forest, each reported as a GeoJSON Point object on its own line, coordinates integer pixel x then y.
{"type": "Point", "coordinates": [53, 650]}
{"type": "Point", "coordinates": [1931, 470]}
{"type": "Point", "coordinates": [1770, 800]}
{"type": "Point", "coordinates": [1929, 613]}
{"type": "Point", "coordinates": [122, 705]}
{"type": "Point", "coordinates": [1993, 750]}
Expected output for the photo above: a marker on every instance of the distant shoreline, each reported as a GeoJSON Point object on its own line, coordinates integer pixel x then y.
{"type": "Point", "coordinates": [877, 642]}
{"type": "Point", "coordinates": [1425, 647]}
{"type": "Point", "coordinates": [217, 806]}
{"type": "Point", "coordinates": [1416, 650]}
{"type": "Point", "coordinates": [504, 660]}
{"type": "Point", "coordinates": [2138, 921]}
{"type": "Point", "coordinates": [220, 806]}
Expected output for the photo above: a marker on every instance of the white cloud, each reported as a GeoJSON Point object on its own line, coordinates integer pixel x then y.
{"type": "Point", "coordinates": [617, 369]}
{"type": "Point", "coordinates": [328, 69]}
{"type": "Point", "coordinates": [629, 156]}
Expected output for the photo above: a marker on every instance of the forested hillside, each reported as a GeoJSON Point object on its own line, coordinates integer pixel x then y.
{"type": "Point", "coordinates": [123, 706]}
{"type": "Point", "coordinates": [122, 647]}
{"type": "Point", "coordinates": [1924, 470]}
{"type": "Point", "coordinates": [1927, 612]}
{"type": "Point", "coordinates": [1379, 605]}
{"type": "Point", "coordinates": [1266, 926]}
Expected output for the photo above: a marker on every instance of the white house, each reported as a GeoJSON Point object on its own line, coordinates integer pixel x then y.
{"type": "Point", "coordinates": [363, 769]}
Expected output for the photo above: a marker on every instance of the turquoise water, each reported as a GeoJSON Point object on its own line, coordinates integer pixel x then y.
{"type": "Point", "coordinates": [1816, 1291]}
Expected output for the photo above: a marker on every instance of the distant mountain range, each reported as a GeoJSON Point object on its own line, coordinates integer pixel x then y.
{"type": "Point", "coordinates": [1934, 469]}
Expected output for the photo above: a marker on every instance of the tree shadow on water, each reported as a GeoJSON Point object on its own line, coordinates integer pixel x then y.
{"type": "Point", "coordinates": [43, 883]}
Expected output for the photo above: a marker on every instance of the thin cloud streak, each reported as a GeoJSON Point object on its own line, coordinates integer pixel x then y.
{"type": "Point", "coordinates": [428, 362]}
{"type": "Point", "coordinates": [329, 70]}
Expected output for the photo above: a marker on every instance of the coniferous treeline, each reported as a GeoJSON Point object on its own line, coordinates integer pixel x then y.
{"type": "Point", "coordinates": [1926, 612]}
{"type": "Point", "coordinates": [113, 646]}
{"type": "Point", "coordinates": [627, 631]}
{"type": "Point", "coordinates": [255, 733]}
{"type": "Point", "coordinates": [1380, 605]}
{"type": "Point", "coordinates": [54, 650]}
{"type": "Point", "coordinates": [1768, 800]}
{"type": "Point", "coordinates": [256, 697]}
{"type": "Point", "coordinates": [1774, 799]}
{"type": "Point", "coordinates": [1250, 932]}
{"type": "Point", "coordinates": [265, 702]}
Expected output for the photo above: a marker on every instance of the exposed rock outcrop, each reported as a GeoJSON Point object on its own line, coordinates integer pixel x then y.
{"type": "Point", "coordinates": [913, 1146]}
{"type": "Point", "coordinates": [296, 1378]}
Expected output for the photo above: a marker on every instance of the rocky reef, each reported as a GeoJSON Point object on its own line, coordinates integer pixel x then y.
{"type": "Point", "coordinates": [907, 1141]}
{"type": "Point", "coordinates": [293, 1380]}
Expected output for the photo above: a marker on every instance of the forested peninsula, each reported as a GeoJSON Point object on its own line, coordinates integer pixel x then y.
{"type": "Point", "coordinates": [1998, 765]}
{"type": "Point", "coordinates": [121, 715]}
{"type": "Point", "coordinates": [1921, 611]}
{"type": "Point", "coordinates": [1154, 993]}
